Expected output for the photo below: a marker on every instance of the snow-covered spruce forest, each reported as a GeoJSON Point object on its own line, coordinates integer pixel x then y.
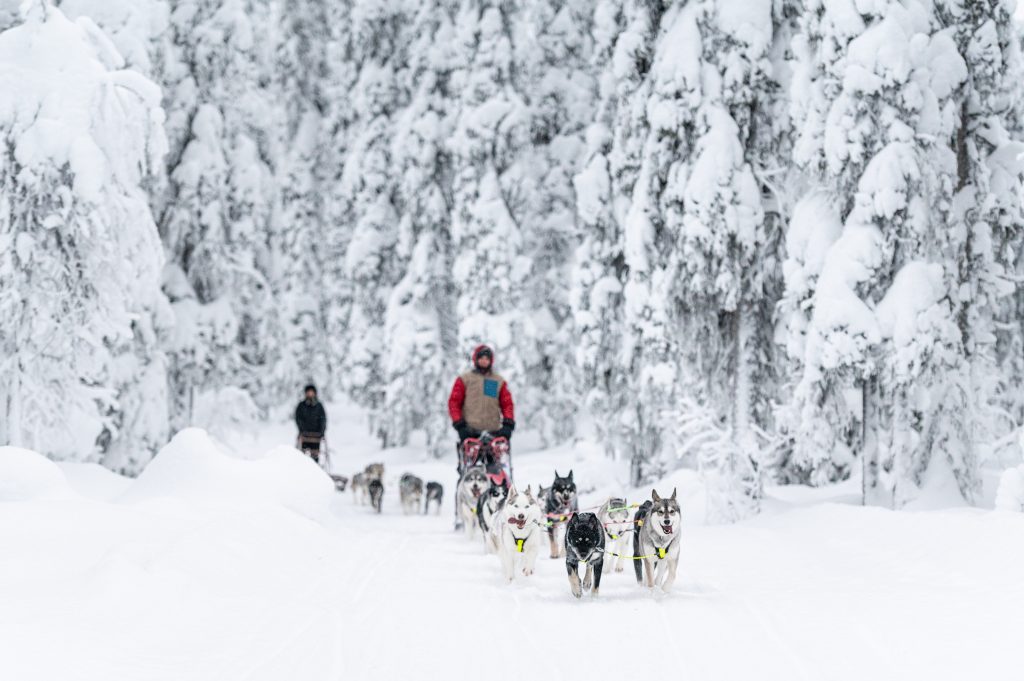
{"type": "Point", "coordinates": [773, 240]}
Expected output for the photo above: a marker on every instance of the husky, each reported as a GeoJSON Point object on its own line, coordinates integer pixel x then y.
{"type": "Point", "coordinates": [435, 493]}
{"type": "Point", "coordinates": [472, 484]}
{"type": "Point", "coordinates": [518, 526]}
{"type": "Point", "coordinates": [375, 471]}
{"type": "Point", "coordinates": [488, 505]}
{"type": "Point", "coordinates": [584, 543]}
{"type": "Point", "coordinates": [410, 490]}
{"type": "Point", "coordinates": [618, 528]}
{"type": "Point", "coordinates": [559, 505]}
{"type": "Point", "coordinates": [656, 539]}
{"type": "Point", "coordinates": [376, 490]}
{"type": "Point", "coordinates": [359, 491]}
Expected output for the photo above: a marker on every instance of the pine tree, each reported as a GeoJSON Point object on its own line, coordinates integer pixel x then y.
{"type": "Point", "coordinates": [79, 251]}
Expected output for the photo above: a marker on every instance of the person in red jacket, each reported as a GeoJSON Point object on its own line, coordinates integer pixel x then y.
{"type": "Point", "coordinates": [480, 400]}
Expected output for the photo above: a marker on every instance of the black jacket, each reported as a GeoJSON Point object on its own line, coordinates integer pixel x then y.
{"type": "Point", "coordinates": [311, 418]}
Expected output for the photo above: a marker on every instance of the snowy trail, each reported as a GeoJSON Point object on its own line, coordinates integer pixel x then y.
{"type": "Point", "coordinates": [165, 579]}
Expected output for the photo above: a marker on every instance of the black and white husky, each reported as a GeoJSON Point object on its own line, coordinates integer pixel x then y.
{"type": "Point", "coordinates": [618, 531]}
{"type": "Point", "coordinates": [435, 494]}
{"type": "Point", "coordinates": [559, 505]}
{"type": "Point", "coordinates": [472, 484]}
{"type": "Point", "coordinates": [518, 527]}
{"type": "Point", "coordinates": [584, 543]}
{"type": "Point", "coordinates": [410, 491]}
{"type": "Point", "coordinates": [656, 540]}
{"type": "Point", "coordinates": [488, 505]}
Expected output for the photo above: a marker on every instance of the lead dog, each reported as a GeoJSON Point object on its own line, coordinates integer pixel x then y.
{"type": "Point", "coordinates": [559, 505]}
{"type": "Point", "coordinates": [584, 543]}
{"type": "Point", "coordinates": [656, 539]}
{"type": "Point", "coordinates": [471, 485]}
{"type": "Point", "coordinates": [618, 531]}
{"type": "Point", "coordinates": [410, 490]}
{"type": "Point", "coordinates": [518, 525]}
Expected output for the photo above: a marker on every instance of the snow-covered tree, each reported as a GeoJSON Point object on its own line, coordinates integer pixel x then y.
{"type": "Point", "coordinates": [79, 251]}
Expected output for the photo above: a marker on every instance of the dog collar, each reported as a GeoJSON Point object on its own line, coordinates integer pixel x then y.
{"type": "Point", "coordinates": [520, 542]}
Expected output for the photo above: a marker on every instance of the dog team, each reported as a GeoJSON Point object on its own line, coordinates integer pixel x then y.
{"type": "Point", "coordinates": [513, 525]}
{"type": "Point", "coordinates": [369, 486]}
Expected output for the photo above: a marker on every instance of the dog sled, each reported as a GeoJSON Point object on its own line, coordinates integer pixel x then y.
{"type": "Point", "coordinates": [314, 446]}
{"type": "Point", "coordinates": [493, 453]}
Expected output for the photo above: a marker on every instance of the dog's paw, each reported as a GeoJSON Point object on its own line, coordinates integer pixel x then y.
{"type": "Point", "coordinates": [620, 568]}
{"type": "Point", "coordinates": [577, 592]}
{"type": "Point", "coordinates": [588, 582]}
{"type": "Point", "coordinates": [527, 572]}
{"type": "Point", "coordinates": [593, 594]}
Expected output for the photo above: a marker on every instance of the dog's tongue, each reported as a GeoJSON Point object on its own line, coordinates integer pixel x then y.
{"type": "Point", "coordinates": [667, 528]}
{"type": "Point", "coordinates": [518, 523]}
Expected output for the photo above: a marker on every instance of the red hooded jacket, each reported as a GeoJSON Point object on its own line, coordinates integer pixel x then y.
{"type": "Point", "coordinates": [458, 397]}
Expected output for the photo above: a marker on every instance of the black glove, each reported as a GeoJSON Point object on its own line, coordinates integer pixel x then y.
{"type": "Point", "coordinates": [464, 430]}
{"type": "Point", "coordinates": [507, 426]}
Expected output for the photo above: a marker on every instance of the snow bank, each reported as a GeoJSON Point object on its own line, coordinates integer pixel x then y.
{"type": "Point", "coordinates": [25, 476]}
{"type": "Point", "coordinates": [94, 481]}
{"type": "Point", "coordinates": [1010, 496]}
{"type": "Point", "coordinates": [195, 468]}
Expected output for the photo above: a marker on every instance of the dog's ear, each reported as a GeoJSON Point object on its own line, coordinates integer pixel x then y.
{"type": "Point", "coordinates": [512, 493]}
{"type": "Point", "coordinates": [570, 475]}
{"type": "Point", "coordinates": [557, 475]}
{"type": "Point", "coordinates": [673, 494]}
{"type": "Point", "coordinates": [529, 494]}
{"type": "Point", "coordinates": [654, 495]}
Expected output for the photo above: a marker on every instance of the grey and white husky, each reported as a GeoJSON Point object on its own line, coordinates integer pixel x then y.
{"type": "Point", "coordinates": [656, 539]}
{"type": "Point", "coordinates": [410, 491]}
{"type": "Point", "coordinates": [360, 493]}
{"type": "Point", "coordinates": [618, 532]}
{"type": "Point", "coordinates": [518, 526]}
{"type": "Point", "coordinates": [472, 484]}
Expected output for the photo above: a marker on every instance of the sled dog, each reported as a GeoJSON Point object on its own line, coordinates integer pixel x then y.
{"type": "Point", "coordinates": [376, 490]}
{"type": "Point", "coordinates": [518, 525]}
{"type": "Point", "coordinates": [618, 531]}
{"type": "Point", "coordinates": [410, 491]}
{"type": "Point", "coordinates": [472, 484]}
{"type": "Point", "coordinates": [584, 543]}
{"type": "Point", "coordinates": [656, 539]}
{"type": "Point", "coordinates": [559, 505]}
{"type": "Point", "coordinates": [359, 490]}
{"type": "Point", "coordinates": [375, 471]}
{"type": "Point", "coordinates": [488, 505]}
{"type": "Point", "coordinates": [435, 493]}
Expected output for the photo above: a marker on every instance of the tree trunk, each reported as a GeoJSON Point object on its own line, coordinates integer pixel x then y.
{"type": "Point", "coordinates": [870, 494]}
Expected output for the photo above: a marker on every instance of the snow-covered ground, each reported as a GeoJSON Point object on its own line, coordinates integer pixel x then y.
{"type": "Point", "coordinates": [243, 565]}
